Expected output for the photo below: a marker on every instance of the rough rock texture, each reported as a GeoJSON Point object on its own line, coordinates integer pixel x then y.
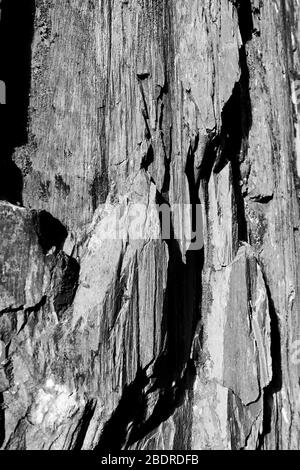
{"type": "Point", "coordinates": [111, 340]}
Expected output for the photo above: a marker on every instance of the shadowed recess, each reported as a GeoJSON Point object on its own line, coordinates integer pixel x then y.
{"type": "Point", "coordinates": [16, 33]}
{"type": "Point", "coordinates": [51, 232]}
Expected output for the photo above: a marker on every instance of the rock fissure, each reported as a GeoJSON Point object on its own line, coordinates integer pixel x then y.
{"type": "Point", "coordinates": [143, 116]}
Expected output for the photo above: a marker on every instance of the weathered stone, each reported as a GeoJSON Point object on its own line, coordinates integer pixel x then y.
{"type": "Point", "coordinates": [114, 333]}
{"type": "Point", "coordinates": [24, 277]}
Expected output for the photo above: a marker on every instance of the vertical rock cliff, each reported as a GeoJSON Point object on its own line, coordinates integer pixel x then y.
{"type": "Point", "coordinates": [149, 214]}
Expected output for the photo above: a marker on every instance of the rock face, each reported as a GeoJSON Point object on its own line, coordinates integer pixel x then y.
{"type": "Point", "coordinates": [150, 178]}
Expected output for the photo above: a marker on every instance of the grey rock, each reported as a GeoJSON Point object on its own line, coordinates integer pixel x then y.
{"type": "Point", "coordinates": [116, 336]}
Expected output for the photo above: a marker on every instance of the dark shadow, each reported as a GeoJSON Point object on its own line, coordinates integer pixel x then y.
{"type": "Point", "coordinates": [244, 10]}
{"type": "Point", "coordinates": [167, 163]}
{"type": "Point", "coordinates": [276, 383]}
{"type": "Point", "coordinates": [131, 408]}
{"type": "Point", "coordinates": [181, 310]}
{"type": "Point", "coordinates": [229, 145]}
{"type": "Point", "coordinates": [181, 314]}
{"type": "Point", "coordinates": [51, 232]}
{"type": "Point", "coordinates": [174, 371]}
{"type": "Point", "coordinates": [67, 269]}
{"type": "Point", "coordinates": [98, 188]}
{"type": "Point", "coordinates": [170, 399]}
{"type": "Point", "coordinates": [32, 310]}
{"type": "Point", "coordinates": [83, 424]}
{"type": "Point", "coordinates": [148, 158]}
{"type": "Point", "coordinates": [16, 33]}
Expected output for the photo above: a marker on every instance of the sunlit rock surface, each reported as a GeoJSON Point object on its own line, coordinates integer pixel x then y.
{"type": "Point", "coordinates": [115, 332]}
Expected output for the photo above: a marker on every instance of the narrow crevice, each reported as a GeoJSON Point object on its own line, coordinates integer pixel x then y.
{"type": "Point", "coordinates": [243, 103]}
{"type": "Point", "coordinates": [11, 310]}
{"type": "Point", "coordinates": [144, 110]}
{"type": "Point", "coordinates": [83, 425]}
{"type": "Point", "coordinates": [16, 33]}
{"type": "Point", "coordinates": [229, 144]}
{"type": "Point", "coordinates": [147, 159]}
{"type": "Point", "coordinates": [167, 164]}
{"type": "Point", "coordinates": [192, 174]}
{"type": "Point", "coordinates": [244, 10]}
{"type": "Point", "coordinates": [33, 309]}
{"type": "Point", "coordinates": [276, 383]}
{"type": "Point", "coordinates": [233, 139]}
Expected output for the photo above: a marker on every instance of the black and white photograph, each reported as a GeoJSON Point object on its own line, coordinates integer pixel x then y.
{"type": "Point", "coordinates": [149, 229]}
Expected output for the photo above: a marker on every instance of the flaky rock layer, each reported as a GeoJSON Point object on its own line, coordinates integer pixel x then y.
{"type": "Point", "coordinates": [121, 336]}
